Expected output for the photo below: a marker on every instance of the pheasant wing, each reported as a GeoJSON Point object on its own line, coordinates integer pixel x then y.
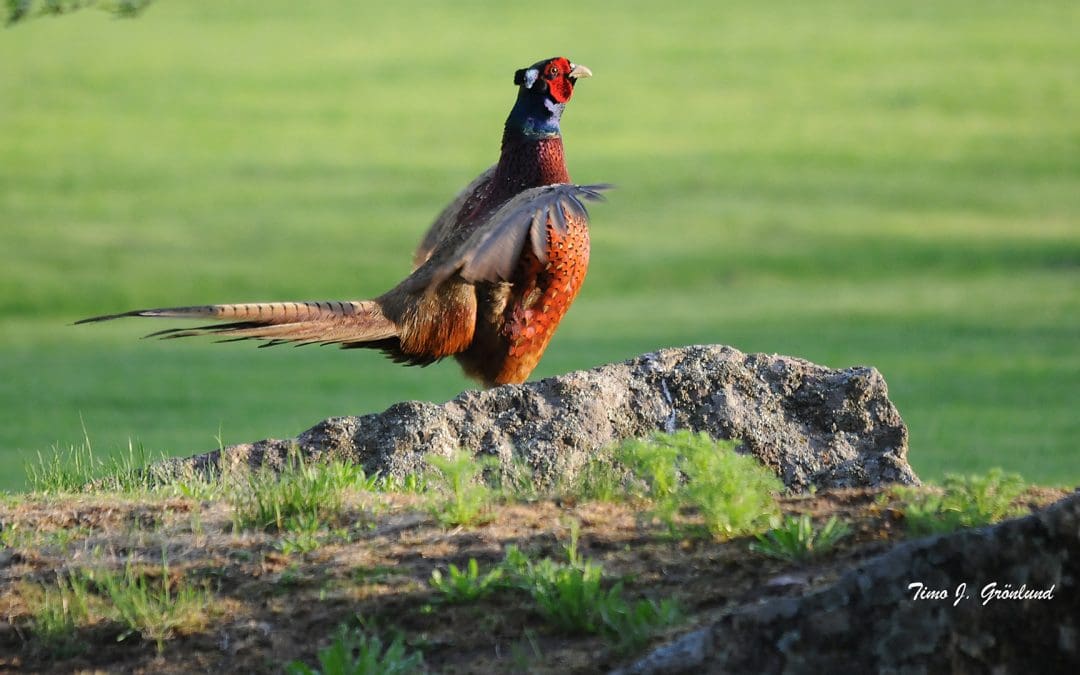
{"type": "Point", "coordinates": [492, 252]}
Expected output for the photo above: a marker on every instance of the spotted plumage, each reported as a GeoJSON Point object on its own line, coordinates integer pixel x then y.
{"type": "Point", "coordinates": [492, 278]}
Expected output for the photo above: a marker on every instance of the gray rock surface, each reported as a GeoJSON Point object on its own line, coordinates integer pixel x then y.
{"type": "Point", "coordinates": [870, 622]}
{"type": "Point", "coordinates": [813, 425]}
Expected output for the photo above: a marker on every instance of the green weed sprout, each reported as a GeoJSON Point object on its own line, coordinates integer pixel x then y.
{"type": "Point", "coordinates": [355, 653]}
{"type": "Point", "coordinates": [965, 501]}
{"type": "Point", "coordinates": [466, 586]}
{"type": "Point", "coordinates": [464, 497]}
{"type": "Point", "coordinates": [686, 472]}
{"type": "Point", "coordinates": [796, 539]}
{"type": "Point", "coordinates": [572, 598]}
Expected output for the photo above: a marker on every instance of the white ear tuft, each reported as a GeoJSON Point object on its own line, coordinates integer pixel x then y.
{"type": "Point", "coordinates": [530, 77]}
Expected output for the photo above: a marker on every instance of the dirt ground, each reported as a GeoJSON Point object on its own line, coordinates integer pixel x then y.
{"type": "Point", "coordinates": [272, 607]}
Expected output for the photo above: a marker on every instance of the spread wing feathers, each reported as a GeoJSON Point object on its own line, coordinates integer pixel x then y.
{"type": "Point", "coordinates": [448, 218]}
{"type": "Point", "coordinates": [345, 323]}
{"type": "Point", "coordinates": [492, 252]}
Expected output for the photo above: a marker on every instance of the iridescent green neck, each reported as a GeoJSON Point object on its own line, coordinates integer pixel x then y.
{"type": "Point", "coordinates": [534, 116]}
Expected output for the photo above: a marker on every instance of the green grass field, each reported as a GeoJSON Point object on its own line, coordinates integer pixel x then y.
{"type": "Point", "coordinates": [849, 182]}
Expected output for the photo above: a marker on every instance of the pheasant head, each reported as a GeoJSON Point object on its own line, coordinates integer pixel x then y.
{"type": "Point", "coordinates": [544, 88]}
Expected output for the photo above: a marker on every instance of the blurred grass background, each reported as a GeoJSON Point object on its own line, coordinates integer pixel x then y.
{"type": "Point", "coordinates": [850, 182]}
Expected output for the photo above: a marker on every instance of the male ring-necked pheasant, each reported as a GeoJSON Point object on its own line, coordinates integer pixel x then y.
{"type": "Point", "coordinates": [492, 277]}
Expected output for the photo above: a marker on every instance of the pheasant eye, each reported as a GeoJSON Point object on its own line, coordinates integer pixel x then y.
{"type": "Point", "coordinates": [553, 72]}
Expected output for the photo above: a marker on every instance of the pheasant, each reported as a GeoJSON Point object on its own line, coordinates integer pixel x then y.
{"type": "Point", "coordinates": [492, 277]}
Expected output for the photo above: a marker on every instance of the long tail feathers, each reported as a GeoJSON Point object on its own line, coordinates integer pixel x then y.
{"type": "Point", "coordinates": [350, 323]}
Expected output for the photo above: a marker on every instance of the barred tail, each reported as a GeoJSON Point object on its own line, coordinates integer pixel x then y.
{"type": "Point", "coordinates": [349, 323]}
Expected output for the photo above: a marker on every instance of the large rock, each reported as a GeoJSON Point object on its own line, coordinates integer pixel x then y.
{"type": "Point", "coordinates": [813, 425]}
{"type": "Point", "coordinates": [870, 620]}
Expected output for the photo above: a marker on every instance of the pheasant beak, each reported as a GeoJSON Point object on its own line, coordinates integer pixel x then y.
{"type": "Point", "coordinates": [578, 71]}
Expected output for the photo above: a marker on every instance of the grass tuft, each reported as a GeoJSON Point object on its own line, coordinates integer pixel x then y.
{"type": "Point", "coordinates": [410, 484]}
{"type": "Point", "coordinates": [300, 499]}
{"type": "Point", "coordinates": [77, 469]}
{"type": "Point", "coordinates": [61, 612]}
{"type": "Point", "coordinates": [601, 479]}
{"type": "Point", "coordinates": [155, 609]}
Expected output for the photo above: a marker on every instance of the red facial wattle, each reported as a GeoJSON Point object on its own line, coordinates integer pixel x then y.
{"type": "Point", "coordinates": [560, 89]}
{"type": "Point", "coordinates": [557, 74]}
